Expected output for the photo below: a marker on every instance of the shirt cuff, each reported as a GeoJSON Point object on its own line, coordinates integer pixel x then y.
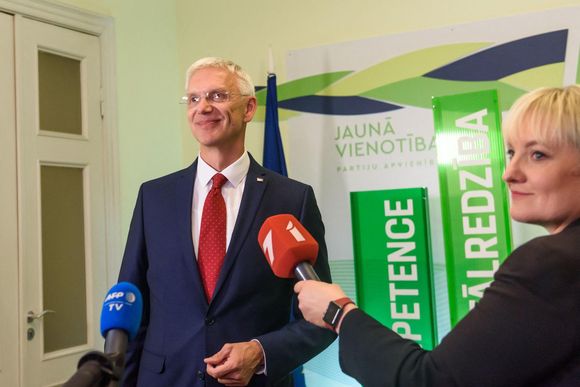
{"type": "Point", "coordinates": [261, 370]}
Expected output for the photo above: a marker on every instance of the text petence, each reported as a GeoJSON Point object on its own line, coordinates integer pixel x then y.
{"type": "Point", "coordinates": [402, 269]}
{"type": "Point", "coordinates": [380, 138]}
{"type": "Point", "coordinates": [477, 204]}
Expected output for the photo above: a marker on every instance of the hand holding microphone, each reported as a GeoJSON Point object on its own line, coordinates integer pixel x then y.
{"type": "Point", "coordinates": [323, 304]}
{"type": "Point", "coordinates": [291, 251]}
{"type": "Point", "coordinates": [120, 320]}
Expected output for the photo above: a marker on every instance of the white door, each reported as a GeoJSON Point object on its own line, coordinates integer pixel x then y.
{"type": "Point", "coordinates": [8, 203]}
{"type": "Point", "coordinates": [56, 210]}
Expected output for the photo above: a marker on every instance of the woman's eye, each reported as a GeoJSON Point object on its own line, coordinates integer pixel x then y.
{"type": "Point", "coordinates": [510, 154]}
{"type": "Point", "coordinates": [537, 155]}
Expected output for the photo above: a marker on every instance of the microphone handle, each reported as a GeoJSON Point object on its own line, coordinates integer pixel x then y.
{"type": "Point", "coordinates": [116, 341]}
{"type": "Point", "coordinates": [304, 271]}
{"type": "Point", "coordinates": [94, 370]}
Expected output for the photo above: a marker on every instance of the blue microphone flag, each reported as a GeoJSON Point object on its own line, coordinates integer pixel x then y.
{"type": "Point", "coordinates": [122, 309]}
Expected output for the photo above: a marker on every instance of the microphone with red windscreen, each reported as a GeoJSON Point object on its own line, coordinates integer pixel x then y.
{"type": "Point", "coordinates": [289, 248]}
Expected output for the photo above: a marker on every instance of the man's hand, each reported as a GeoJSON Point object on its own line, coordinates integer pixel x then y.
{"type": "Point", "coordinates": [236, 363]}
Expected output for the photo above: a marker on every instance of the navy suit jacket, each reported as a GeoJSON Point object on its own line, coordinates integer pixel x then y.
{"type": "Point", "coordinates": [179, 327]}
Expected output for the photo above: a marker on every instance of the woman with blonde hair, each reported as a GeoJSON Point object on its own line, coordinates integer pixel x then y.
{"type": "Point", "coordinates": [525, 330]}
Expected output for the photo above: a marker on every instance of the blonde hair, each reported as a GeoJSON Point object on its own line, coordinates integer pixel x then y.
{"type": "Point", "coordinates": [245, 83]}
{"type": "Point", "coordinates": [553, 114]}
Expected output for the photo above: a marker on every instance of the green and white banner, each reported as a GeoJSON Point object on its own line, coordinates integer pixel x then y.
{"type": "Point", "coordinates": [394, 277]}
{"type": "Point", "coordinates": [474, 205]}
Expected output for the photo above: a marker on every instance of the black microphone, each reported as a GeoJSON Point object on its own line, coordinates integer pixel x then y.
{"type": "Point", "coordinates": [94, 370]}
{"type": "Point", "coordinates": [120, 320]}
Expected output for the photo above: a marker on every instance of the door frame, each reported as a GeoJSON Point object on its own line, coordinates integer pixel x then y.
{"type": "Point", "coordinates": [9, 308]}
{"type": "Point", "coordinates": [101, 26]}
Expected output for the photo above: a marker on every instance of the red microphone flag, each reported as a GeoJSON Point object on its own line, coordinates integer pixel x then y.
{"type": "Point", "coordinates": [285, 243]}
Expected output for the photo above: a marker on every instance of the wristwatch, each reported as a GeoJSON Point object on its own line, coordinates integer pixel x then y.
{"type": "Point", "coordinates": [334, 312]}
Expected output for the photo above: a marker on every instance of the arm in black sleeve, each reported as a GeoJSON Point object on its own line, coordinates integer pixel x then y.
{"type": "Point", "coordinates": [523, 330]}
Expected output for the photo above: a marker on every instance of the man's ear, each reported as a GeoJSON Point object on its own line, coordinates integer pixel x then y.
{"type": "Point", "coordinates": [251, 108]}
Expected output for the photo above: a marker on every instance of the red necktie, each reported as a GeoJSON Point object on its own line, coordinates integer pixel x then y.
{"type": "Point", "coordinates": [212, 235]}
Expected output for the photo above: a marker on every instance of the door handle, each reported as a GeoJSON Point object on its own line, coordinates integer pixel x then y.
{"type": "Point", "coordinates": [31, 316]}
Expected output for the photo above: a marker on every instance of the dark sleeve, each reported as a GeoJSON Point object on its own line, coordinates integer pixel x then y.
{"type": "Point", "coordinates": [134, 270]}
{"type": "Point", "coordinates": [299, 341]}
{"type": "Point", "coordinates": [523, 330]}
{"type": "Point", "coordinates": [376, 356]}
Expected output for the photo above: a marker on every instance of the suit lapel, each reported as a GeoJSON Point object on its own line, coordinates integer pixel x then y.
{"type": "Point", "coordinates": [184, 201]}
{"type": "Point", "coordinates": [256, 183]}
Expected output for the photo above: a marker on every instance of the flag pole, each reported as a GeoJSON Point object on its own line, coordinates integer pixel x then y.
{"type": "Point", "coordinates": [270, 61]}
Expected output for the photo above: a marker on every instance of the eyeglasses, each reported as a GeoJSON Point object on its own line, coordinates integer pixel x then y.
{"type": "Point", "coordinates": [213, 96]}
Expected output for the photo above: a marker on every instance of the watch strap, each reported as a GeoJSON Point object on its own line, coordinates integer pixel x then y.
{"type": "Point", "coordinates": [344, 301]}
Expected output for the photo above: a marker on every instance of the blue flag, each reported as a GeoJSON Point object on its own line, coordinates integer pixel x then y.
{"type": "Point", "coordinates": [274, 160]}
{"type": "Point", "coordinates": [273, 150]}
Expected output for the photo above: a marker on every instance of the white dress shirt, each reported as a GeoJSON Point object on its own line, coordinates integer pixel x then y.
{"type": "Point", "coordinates": [232, 192]}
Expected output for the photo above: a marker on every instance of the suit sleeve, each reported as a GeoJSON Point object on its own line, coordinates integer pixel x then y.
{"type": "Point", "coordinates": [521, 332]}
{"type": "Point", "coordinates": [134, 270]}
{"type": "Point", "coordinates": [299, 341]}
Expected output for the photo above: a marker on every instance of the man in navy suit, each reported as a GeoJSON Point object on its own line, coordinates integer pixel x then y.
{"type": "Point", "coordinates": [240, 333]}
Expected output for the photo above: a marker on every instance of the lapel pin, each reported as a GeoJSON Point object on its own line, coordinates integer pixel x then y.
{"type": "Point", "coordinates": [260, 179]}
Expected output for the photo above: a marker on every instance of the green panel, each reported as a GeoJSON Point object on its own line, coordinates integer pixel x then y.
{"type": "Point", "coordinates": [394, 277]}
{"type": "Point", "coordinates": [303, 86]}
{"type": "Point", "coordinates": [476, 226]}
{"type": "Point", "coordinates": [59, 93]}
{"type": "Point", "coordinates": [419, 91]}
{"type": "Point", "coordinates": [283, 114]}
{"type": "Point", "coordinates": [64, 270]}
{"type": "Point", "coordinates": [550, 75]}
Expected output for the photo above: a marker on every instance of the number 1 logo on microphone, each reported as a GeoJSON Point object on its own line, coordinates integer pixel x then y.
{"type": "Point", "coordinates": [295, 232]}
{"type": "Point", "coordinates": [268, 247]}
